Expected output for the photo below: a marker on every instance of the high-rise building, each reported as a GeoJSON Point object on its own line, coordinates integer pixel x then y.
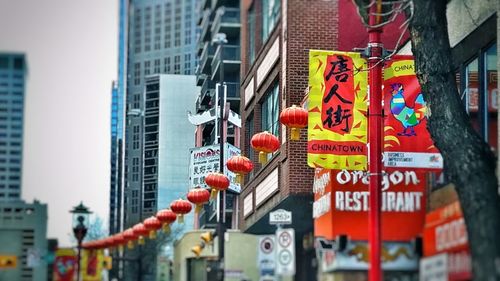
{"type": "Point", "coordinates": [167, 139]}
{"type": "Point", "coordinates": [161, 39]}
{"type": "Point", "coordinates": [168, 136]}
{"type": "Point", "coordinates": [12, 86]}
{"type": "Point", "coordinates": [217, 64]}
{"type": "Point", "coordinates": [23, 227]}
{"type": "Point", "coordinates": [117, 124]}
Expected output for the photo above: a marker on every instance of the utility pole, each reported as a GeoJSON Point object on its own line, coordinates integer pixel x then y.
{"type": "Point", "coordinates": [375, 134]}
{"type": "Point", "coordinates": [220, 39]}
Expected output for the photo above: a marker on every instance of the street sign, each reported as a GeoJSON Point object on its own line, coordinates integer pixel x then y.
{"type": "Point", "coordinates": [285, 252]}
{"type": "Point", "coordinates": [8, 261]}
{"type": "Point", "coordinates": [280, 216]}
{"type": "Point", "coordinates": [266, 260]}
{"type": "Point", "coordinates": [206, 159]}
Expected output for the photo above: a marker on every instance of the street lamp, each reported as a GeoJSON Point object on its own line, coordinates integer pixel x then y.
{"type": "Point", "coordinates": [80, 226]}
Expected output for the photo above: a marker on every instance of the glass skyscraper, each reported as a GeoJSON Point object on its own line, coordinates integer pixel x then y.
{"type": "Point", "coordinates": [12, 86]}
{"type": "Point", "coordinates": [161, 40]}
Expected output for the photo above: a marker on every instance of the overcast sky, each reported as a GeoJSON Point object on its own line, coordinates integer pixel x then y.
{"type": "Point", "coordinates": [71, 49]}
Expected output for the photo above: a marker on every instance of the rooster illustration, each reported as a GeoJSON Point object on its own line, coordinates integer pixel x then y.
{"type": "Point", "coordinates": [409, 116]}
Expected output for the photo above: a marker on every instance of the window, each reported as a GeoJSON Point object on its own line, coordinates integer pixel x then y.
{"type": "Point", "coordinates": [135, 169]}
{"type": "Point", "coordinates": [137, 101]}
{"type": "Point", "coordinates": [137, 73]}
{"type": "Point", "coordinates": [270, 111]}
{"type": "Point", "coordinates": [157, 66]}
{"type": "Point", "coordinates": [479, 88]}
{"type": "Point", "coordinates": [251, 35]}
{"type": "Point", "coordinates": [270, 15]}
{"type": "Point", "coordinates": [137, 31]}
{"type": "Point", "coordinates": [147, 65]}
{"type": "Point", "coordinates": [250, 131]}
{"type": "Point", "coordinates": [166, 65]}
{"type": "Point", "coordinates": [177, 64]}
{"type": "Point", "coordinates": [187, 64]}
{"type": "Point", "coordinates": [135, 138]}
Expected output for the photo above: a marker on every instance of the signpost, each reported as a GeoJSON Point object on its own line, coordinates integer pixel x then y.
{"type": "Point", "coordinates": [285, 252]}
{"type": "Point", "coordinates": [266, 258]}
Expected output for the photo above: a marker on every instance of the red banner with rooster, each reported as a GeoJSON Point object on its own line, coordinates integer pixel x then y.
{"type": "Point", "coordinates": [407, 143]}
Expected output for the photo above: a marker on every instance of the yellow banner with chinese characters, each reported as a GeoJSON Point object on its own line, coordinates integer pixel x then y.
{"type": "Point", "coordinates": [337, 132]}
{"type": "Point", "coordinates": [92, 265]}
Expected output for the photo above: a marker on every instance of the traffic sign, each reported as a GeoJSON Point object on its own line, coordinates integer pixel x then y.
{"type": "Point", "coordinates": [285, 252]}
{"type": "Point", "coordinates": [280, 216]}
{"type": "Point", "coordinates": [266, 256]}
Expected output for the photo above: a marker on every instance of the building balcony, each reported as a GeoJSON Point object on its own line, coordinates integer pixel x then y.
{"type": "Point", "coordinates": [200, 77]}
{"type": "Point", "coordinates": [199, 47]}
{"type": "Point", "coordinates": [218, 3]}
{"type": "Point", "coordinates": [230, 57]}
{"type": "Point", "coordinates": [206, 58]}
{"type": "Point", "coordinates": [206, 91]}
{"type": "Point", "coordinates": [227, 21]}
{"type": "Point", "coordinates": [199, 106]}
{"type": "Point", "coordinates": [205, 26]}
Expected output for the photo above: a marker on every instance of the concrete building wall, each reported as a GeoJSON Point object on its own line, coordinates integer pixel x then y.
{"type": "Point", "coordinates": [23, 233]}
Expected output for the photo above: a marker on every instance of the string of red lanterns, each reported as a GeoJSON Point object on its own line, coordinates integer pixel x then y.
{"type": "Point", "coordinates": [264, 142]}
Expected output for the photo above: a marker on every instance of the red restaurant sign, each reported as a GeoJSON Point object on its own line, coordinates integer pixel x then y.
{"type": "Point", "coordinates": [341, 204]}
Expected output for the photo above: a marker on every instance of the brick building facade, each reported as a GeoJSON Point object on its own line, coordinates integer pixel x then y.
{"type": "Point", "coordinates": [274, 75]}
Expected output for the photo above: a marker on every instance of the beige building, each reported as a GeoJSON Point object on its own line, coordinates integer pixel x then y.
{"type": "Point", "coordinates": [241, 252]}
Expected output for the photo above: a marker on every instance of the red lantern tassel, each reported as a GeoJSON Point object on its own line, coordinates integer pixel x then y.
{"type": "Point", "coordinates": [166, 228]}
{"type": "Point", "coordinates": [152, 234]}
{"type": "Point", "coordinates": [262, 157]}
{"type": "Point", "coordinates": [198, 207]}
{"type": "Point", "coordinates": [295, 134]}
{"type": "Point", "coordinates": [213, 193]}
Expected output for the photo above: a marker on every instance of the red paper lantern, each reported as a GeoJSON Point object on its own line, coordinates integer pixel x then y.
{"type": "Point", "coordinates": [152, 224]}
{"type": "Point", "coordinates": [295, 118]}
{"type": "Point", "coordinates": [166, 217]}
{"type": "Point", "coordinates": [181, 207]}
{"type": "Point", "coordinates": [119, 240]}
{"type": "Point", "coordinates": [106, 243]}
{"type": "Point", "coordinates": [98, 244]}
{"type": "Point", "coordinates": [198, 196]}
{"type": "Point", "coordinates": [240, 165]}
{"type": "Point", "coordinates": [218, 182]}
{"type": "Point", "coordinates": [141, 231]}
{"type": "Point", "coordinates": [130, 236]}
{"type": "Point", "coordinates": [86, 245]}
{"type": "Point", "coordinates": [265, 143]}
